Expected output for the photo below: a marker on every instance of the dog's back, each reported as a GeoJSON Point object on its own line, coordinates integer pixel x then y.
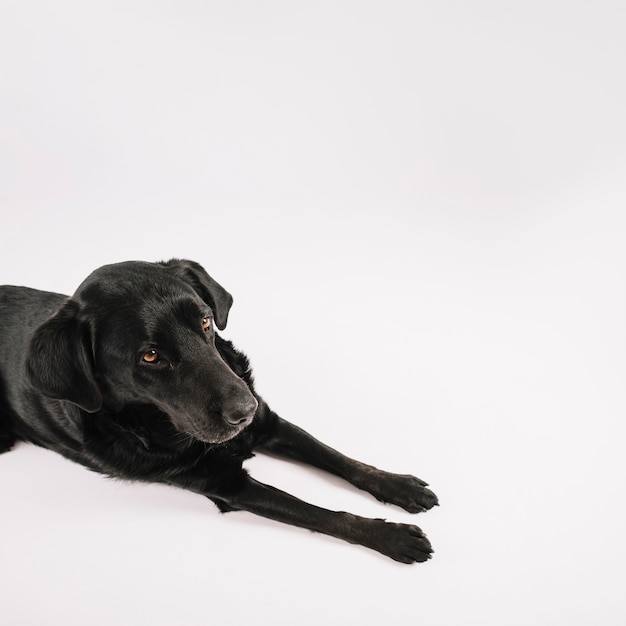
{"type": "Point", "coordinates": [22, 310]}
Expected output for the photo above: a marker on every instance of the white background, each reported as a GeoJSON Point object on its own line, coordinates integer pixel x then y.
{"type": "Point", "coordinates": [419, 208]}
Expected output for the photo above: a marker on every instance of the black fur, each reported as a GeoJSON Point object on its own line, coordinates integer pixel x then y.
{"type": "Point", "coordinates": [129, 378]}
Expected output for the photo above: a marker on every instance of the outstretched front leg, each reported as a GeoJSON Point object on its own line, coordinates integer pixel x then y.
{"type": "Point", "coordinates": [404, 490]}
{"type": "Point", "coordinates": [402, 542]}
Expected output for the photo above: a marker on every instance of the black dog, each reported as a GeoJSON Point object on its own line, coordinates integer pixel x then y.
{"type": "Point", "coordinates": [129, 378]}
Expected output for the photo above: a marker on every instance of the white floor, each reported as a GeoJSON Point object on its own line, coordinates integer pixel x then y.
{"type": "Point", "coordinates": [420, 212]}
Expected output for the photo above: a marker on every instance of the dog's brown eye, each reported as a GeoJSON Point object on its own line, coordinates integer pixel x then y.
{"type": "Point", "coordinates": [206, 323]}
{"type": "Point", "coordinates": [152, 356]}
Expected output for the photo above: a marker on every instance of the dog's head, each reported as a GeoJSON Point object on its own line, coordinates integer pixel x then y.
{"type": "Point", "coordinates": [143, 333]}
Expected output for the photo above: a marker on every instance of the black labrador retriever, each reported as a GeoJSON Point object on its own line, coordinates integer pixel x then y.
{"type": "Point", "coordinates": [129, 378]}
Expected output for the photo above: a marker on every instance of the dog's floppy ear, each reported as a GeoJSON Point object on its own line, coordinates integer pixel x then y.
{"type": "Point", "coordinates": [208, 289]}
{"type": "Point", "coordinates": [58, 362]}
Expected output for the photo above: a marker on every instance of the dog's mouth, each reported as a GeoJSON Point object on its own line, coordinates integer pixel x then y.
{"type": "Point", "coordinates": [215, 437]}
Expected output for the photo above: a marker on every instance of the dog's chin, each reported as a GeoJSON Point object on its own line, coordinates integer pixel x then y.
{"type": "Point", "coordinates": [216, 437]}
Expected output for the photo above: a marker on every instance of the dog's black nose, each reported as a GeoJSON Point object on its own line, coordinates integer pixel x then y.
{"type": "Point", "coordinates": [234, 419]}
{"type": "Point", "coordinates": [241, 413]}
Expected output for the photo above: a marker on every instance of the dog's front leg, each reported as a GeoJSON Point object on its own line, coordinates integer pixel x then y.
{"type": "Point", "coordinates": [404, 490]}
{"type": "Point", "coordinates": [401, 542]}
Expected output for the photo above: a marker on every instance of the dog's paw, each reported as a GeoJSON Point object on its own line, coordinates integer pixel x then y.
{"type": "Point", "coordinates": [403, 490]}
{"type": "Point", "coordinates": [401, 542]}
{"type": "Point", "coordinates": [410, 493]}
